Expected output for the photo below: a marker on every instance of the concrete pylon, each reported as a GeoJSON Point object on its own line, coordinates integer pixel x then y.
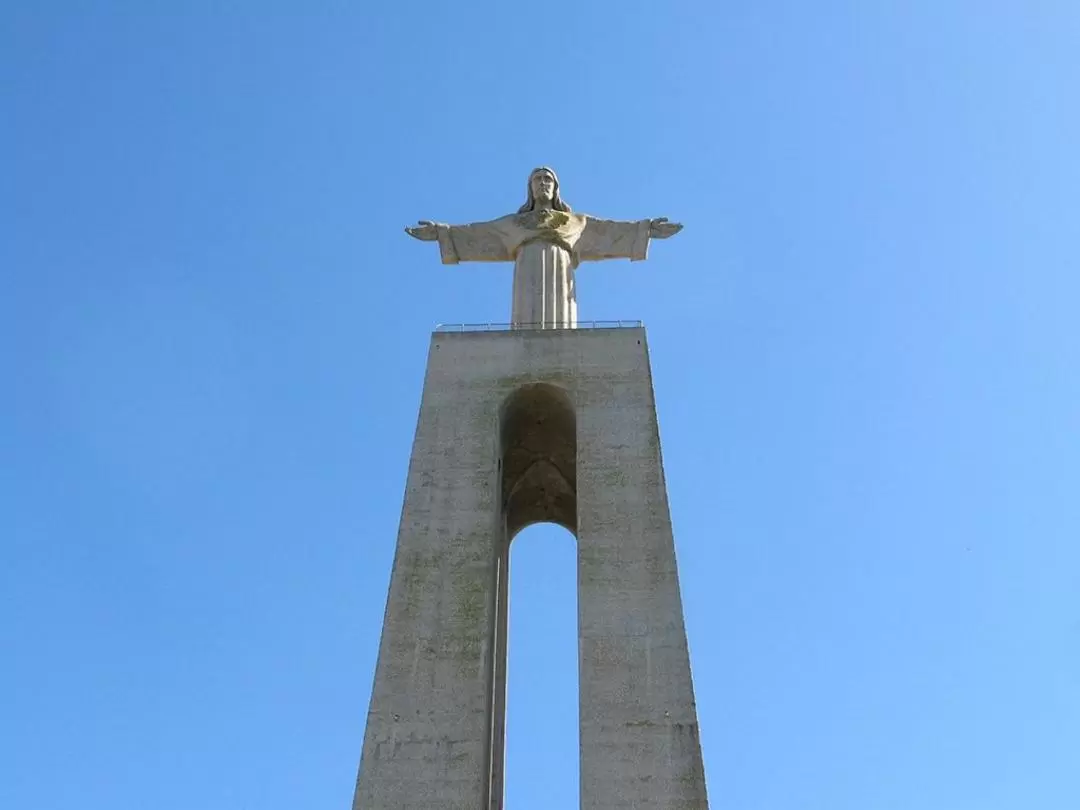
{"type": "Point", "coordinates": [515, 428]}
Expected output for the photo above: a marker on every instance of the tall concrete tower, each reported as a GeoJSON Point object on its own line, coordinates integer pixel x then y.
{"type": "Point", "coordinates": [541, 421]}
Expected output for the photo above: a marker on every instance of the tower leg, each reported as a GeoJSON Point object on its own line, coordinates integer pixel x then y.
{"type": "Point", "coordinates": [639, 734]}
{"type": "Point", "coordinates": [428, 740]}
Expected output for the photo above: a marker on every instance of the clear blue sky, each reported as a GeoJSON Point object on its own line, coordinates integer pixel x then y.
{"type": "Point", "coordinates": [865, 346]}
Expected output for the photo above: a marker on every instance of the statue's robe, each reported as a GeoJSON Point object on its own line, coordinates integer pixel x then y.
{"type": "Point", "coordinates": [546, 247]}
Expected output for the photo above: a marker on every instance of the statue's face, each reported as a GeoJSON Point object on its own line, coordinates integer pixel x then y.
{"type": "Point", "coordinates": [543, 187]}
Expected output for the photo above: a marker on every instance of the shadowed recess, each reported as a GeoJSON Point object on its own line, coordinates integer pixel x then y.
{"type": "Point", "coordinates": [538, 433]}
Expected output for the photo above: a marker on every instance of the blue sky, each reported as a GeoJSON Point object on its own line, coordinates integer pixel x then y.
{"type": "Point", "coordinates": [864, 346]}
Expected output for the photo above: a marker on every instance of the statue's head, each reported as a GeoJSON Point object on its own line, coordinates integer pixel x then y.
{"type": "Point", "coordinates": [543, 189]}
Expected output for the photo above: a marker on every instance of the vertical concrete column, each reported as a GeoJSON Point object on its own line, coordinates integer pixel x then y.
{"type": "Point", "coordinates": [428, 737]}
{"type": "Point", "coordinates": [639, 734]}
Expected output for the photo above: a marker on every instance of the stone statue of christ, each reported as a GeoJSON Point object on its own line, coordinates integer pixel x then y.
{"type": "Point", "coordinates": [546, 242]}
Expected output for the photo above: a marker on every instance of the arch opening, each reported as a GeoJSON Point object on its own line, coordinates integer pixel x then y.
{"type": "Point", "coordinates": [542, 738]}
{"type": "Point", "coordinates": [538, 484]}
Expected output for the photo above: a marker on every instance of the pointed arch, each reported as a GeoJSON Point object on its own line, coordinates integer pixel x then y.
{"type": "Point", "coordinates": [537, 484]}
{"type": "Point", "coordinates": [538, 443]}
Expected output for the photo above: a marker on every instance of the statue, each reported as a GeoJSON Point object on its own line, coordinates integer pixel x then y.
{"type": "Point", "coordinates": [545, 241]}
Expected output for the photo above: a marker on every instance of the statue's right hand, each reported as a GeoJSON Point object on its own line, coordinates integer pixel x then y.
{"type": "Point", "coordinates": [425, 231]}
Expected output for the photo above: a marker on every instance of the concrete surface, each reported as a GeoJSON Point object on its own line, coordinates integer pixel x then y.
{"type": "Point", "coordinates": [519, 427]}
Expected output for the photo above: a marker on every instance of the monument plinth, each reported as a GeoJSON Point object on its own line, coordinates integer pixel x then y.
{"type": "Point", "coordinates": [518, 427]}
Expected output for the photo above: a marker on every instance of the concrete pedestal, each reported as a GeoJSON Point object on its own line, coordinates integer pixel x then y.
{"type": "Point", "coordinates": [519, 427]}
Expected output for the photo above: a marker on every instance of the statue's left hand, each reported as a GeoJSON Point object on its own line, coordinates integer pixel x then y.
{"type": "Point", "coordinates": [660, 228]}
{"type": "Point", "coordinates": [425, 231]}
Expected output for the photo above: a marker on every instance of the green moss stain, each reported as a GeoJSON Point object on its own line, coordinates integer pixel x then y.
{"type": "Point", "coordinates": [418, 570]}
{"type": "Point", "coordinates": [615, 477]}
{"type": "Point", "coordinates": [469, 599]}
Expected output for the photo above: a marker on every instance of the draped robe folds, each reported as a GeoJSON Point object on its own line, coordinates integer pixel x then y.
{"type": "Point", "coordinates": [546, 247]}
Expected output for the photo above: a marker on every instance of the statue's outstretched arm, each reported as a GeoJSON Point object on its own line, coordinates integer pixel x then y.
{"type": "Point", "coordinates": [478, 242]}
{"type": "Point", "coordinates": [613, 239]}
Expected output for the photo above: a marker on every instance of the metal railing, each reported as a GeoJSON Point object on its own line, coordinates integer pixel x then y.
{"type": "Point", "coordinates": [507, 327]}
